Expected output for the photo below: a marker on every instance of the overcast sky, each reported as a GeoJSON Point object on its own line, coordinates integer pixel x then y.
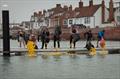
{"type": "Point", "coordinates": [21, 10]}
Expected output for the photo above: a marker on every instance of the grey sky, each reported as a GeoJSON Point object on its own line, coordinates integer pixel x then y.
{"type": "Point", "coordinates": [21, 10]}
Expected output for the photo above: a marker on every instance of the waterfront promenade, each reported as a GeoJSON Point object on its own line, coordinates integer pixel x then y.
{"type": "Point", "coordinates": [14, 46]}
{"type": "Point", "coordinates": [64, 44]}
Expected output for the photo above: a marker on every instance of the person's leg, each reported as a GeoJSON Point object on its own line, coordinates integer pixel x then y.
{"type": "Point", "coordinates": [74, 44]}
{"type": "Point", "coordinates": [70, 43]}
{"type": "Point", "coordinates": [87, 41]}
{"type": "Point", "coordinates": [45, 45]}
{"type": "Point", "coordinates": [54, 43]}
{"type": "Point", "coordinates": [58, 42]}
{"type": "Point", "coordinates": [42, 44]}
{"type": "Point", "coordinates": [97, 42]}
{"type": "Point", "coordinates": [20, 43]}
{"type": "Point", "coordinates": [24, 44]}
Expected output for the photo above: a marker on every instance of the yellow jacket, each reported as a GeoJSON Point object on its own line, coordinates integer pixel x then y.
{"type": "Point", "coordinates": [31, 48]}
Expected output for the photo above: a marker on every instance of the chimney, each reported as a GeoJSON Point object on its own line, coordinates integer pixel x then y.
{"type": "Point", "coordinates": [91, 3]}
{"type": "Point", "coordinates": [111, 12]}
{"type": "Point", "coordinates": [80, 4]}
{"type": "Point", "coordinates": [65, 8]}
{"type": "Point", "coordinates": [40, 13]}
{"type": "Point", "coordinates": [44, 11]}
{"type": "Point", "coordinates": [35, 14]}
{"type": "Point", "coordinates": [70, 8]}
{"type": "Point", "coordinates": [103, 11]}
{"type": "Point", "coordinates": [58, 5]}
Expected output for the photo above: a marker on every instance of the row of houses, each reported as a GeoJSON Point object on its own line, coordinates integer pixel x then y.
{"type": "Point", "coordinates": [93, 15]}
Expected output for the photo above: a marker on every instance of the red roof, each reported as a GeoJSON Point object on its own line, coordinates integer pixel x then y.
{"type": "Point", "coordinates": [87, 11]}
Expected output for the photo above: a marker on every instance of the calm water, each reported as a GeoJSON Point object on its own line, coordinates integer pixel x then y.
{"type": "Point", "coordinates": [63, 67]}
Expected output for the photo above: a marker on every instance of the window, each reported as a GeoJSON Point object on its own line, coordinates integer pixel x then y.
{"type": "Point", "coordinates": [118, 18]}
{"type": "Point", "coordinates": [65, 22]}
{"type": "Point", "coordinates": [119, 10]}
{"type": "Point", "coordinates": [87, 20]}
{"type": "Point", "coordinates": [70, 21]}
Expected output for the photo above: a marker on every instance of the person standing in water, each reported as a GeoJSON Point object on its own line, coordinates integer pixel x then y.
{"type": "Point", "coordinates": [31, 45]}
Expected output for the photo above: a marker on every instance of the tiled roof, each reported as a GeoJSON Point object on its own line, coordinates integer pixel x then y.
{"type": "Point", "coordinates": [56, 12]}
{"type": "Point", "coordinates": [87, 11]}
{"type": "Point", "coordinates": [69, 14]}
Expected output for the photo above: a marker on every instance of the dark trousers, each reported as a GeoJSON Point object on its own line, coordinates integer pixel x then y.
{"type": "Point", "coordinates": [88, 41]}
{"type": "Point", "coordinates": [71, 42]}
{"type": "Point", "coordinates": [43, 43]}
{"type": "Point", "coordinates": [58, 42]}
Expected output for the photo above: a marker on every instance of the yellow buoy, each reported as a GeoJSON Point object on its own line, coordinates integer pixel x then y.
{"type": "Point", "coordinates": [55, 54]}
{"type": "Point", "coordinates": [92, 51]}
{"type": "Point", "coordinates": [103, 52]}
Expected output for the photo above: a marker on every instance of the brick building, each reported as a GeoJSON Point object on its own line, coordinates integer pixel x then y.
{"type": "Point", "coordinates": [90, 16]}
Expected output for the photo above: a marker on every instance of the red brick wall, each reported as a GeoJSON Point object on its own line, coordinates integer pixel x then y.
{"type": "Point", "coordinates": [110, 33]}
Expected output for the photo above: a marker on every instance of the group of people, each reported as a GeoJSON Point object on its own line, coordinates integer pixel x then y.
{"type": "Point", "coordinates": [45, 37]}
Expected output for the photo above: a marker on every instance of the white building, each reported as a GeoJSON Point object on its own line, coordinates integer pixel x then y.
{"type": "Point", "coordinates": [90, 16]}
{"type": "Point", "coordinates": [38, 20]}
{"type": "Point", "coordinates": [117, 15]}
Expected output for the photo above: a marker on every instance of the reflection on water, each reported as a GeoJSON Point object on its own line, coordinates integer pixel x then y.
{"type": "Point", "coordinates": [60, 67]}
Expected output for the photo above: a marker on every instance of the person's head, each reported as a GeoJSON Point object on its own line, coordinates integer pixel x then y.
{"type": "Point", "coordinates": [89, 31]}
{"type": "Point", "coordinates": [103, 30]}
{"type": "Point", "coordinates": [32, 38]}
{"type": "Point", "coordinates": [74, 31]}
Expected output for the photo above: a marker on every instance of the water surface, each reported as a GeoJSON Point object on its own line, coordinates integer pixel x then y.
{"type": "Point", "coordinates": [63, 67]}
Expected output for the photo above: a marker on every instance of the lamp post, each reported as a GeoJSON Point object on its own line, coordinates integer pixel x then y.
{"type": "Point", "coordinates": [6, 36]}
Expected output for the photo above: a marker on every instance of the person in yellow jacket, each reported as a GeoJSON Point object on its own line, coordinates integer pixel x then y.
{"type": "Point", "coordinates": [31, 46]}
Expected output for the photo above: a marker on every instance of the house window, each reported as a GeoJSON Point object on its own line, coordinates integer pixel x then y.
{"type": "Point", "coordinates": [118, 9]}
{"type": "Point", "coordinates": [87, 20]}
{"type": "Point", "coordinates": [70, 21]}
{"type": "Point", "coordinates": [118, 18]}
{"type": "Point", "coordinates": [65, 22]}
